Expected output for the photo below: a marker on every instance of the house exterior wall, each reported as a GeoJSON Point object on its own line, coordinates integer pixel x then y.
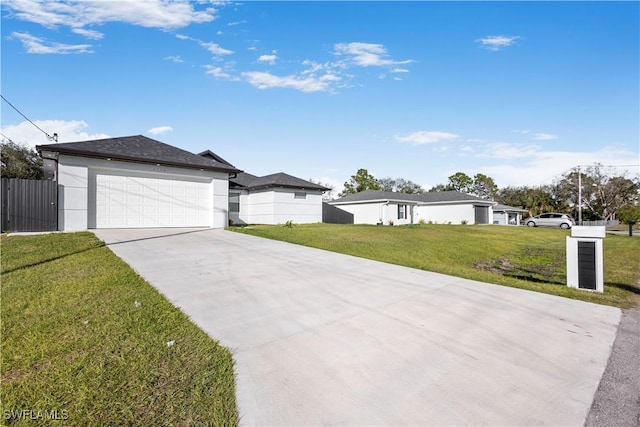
{"type": "Point", "coordinates": [366, 213]}
{"type": "Point", "coordinates": [500, 218]}
{"type": "Point", "coordinates": [77, 188]}
{"type": "Point", "coordinates": [506, 218]}
{"type": "Point", "coordinates": [379, 212]}
{"type": "Point", "coordinates": [279, 205]}
{"type": "Point", "coordinates": [444, 214]}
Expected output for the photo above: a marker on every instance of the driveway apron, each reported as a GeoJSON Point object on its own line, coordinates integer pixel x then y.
{"type": "Point", "coordinates": [321, 338]}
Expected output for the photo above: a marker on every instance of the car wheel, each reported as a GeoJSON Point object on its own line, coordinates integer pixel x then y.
{"type": "Point", "coordinates": [564, 225]}
{"type": "Point", "coordinates": [531, 224]}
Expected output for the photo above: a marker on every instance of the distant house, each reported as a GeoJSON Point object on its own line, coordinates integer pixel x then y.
{"type": "Point", "coordinates": [386, 207]}
{"type": "Point", "coordinates": [507, 215]}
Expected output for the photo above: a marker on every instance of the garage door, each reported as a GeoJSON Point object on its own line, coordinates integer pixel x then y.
{"type": "Point", "coordinates": [132, 202]}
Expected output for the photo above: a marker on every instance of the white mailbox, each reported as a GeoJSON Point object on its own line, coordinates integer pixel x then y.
{"type": "Point", "coordinates": [584, 258]}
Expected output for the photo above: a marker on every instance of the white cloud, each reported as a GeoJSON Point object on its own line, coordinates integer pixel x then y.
{"type": "Point", "coordinates": [76, 14]}
{"type": "Point", "coordinates": [39, 46]}
{"type": "Point", "coordinates": [215, 49]}
{"type": "Point", "coordinates": [174, 58]}
{"type": "Point", "coordinates": [159, 130]}
{"type": "Point", "coordinates": [544, 137]}
{"type": "Point", "coordinates": [426, 137]}
{"type": "Point", "coordinates": [68, 131]}
{"type": "Point", "coordinates": [399, 70]}
{"type": "Point", "coordinates": [366, 54]}
{"type": "Point", "coordinates": [269, 59]}
{"type": "Point", "coordinates": [311, 83]}
{"type": "Point", "coordinates": [218, 72]}
{"type": "Point", "coordinates": [531, 165]}
{"type": "Point", "coordinates": [90, 34]}
{"type": "Point", "coordinates": [233, 24]}
{"type": "Point", "coordinates": [504, 150]}
{"type": "Point", "coordinates": [496, 43]}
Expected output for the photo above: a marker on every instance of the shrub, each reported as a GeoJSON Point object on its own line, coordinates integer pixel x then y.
{"type": "Point", "coordinates": [464, 222]}
{"type": "Point", "coordinates": [390, 222]}
{"type": "Point", "coordinates": [289, 224]}
{"type": "Point", "coordinates": [422, 221]}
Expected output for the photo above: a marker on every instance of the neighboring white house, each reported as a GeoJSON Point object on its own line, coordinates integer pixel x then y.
{"type": "Point", "coordinates": [274, 199]}
{"type": "Point", "coordinates": [138, 182]}
{"type": "Point", "coordinates": [507, 215]}
{"type": "Point", "coordinates": [444, 207]}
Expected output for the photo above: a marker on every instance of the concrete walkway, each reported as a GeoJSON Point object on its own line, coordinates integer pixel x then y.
{"type": "Point", "coordinates": [326, 339]}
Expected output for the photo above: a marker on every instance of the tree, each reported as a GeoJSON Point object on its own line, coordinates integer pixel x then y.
{"type": "Point", "coordinates": [19, 161]}
{"type": "Point", "coordinates": [361, 181]}
{"type": "Point", "coordinates": [438, 188]}
{"type": "Point", "coordinates": [327, 195]}
{"type": "Point", "coordinates": [536, 200]}
{"type": "Point", "coordinates": [484, 186]}
{"type": "Point", "coordinates": [400, 185]}
{"type": "Point", "coordinates": [602, 195]}
{"type": "Point", "coordinates": [480, 185]}
{"type": "Point", "coordinates": [461, 182]}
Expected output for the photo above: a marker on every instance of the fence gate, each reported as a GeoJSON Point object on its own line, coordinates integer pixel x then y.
{"type": "Point", "coordinates": [29, 205]}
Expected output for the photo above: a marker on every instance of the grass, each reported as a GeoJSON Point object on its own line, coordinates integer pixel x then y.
{"type": "Point", "coordinates": [522, 257]}
{"type": "Point", "coordinates": [78, 350]}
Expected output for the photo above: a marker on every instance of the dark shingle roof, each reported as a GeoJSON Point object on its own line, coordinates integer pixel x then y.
{"type": "Point", "coordinates": [429, 197]}
{"type": "Point", "coordinates": [243, 179]}
{"type": "Point", "coordinates": [374, 195]}
{"type": "Point", "coordinates": [139, 149]}
{"type": "Point", "coordinates": [506, 208]}
{"type": "Point", "coordinates": [251, 182]}
{"type": "Point", "coordinates": [210, 154]}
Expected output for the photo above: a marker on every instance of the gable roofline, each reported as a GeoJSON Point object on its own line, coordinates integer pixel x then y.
{"type": "Point", "coordinates": [276, 180]}
{"type": "Point", "coordinates": [506, 208]}
{"type": "Point", "coordinates": [138, 149]}
{"type": "Point", "coordinates": [420, 199]}
{"type": "Point", "coordinates": [210, 154]}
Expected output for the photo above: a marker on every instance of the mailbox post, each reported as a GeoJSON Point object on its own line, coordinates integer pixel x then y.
{"type": "Point", "coordinates": [631, 223]}
{"type": "Point", "coordinates": [585, 267]}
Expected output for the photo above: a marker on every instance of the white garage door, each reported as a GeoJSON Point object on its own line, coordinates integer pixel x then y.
{"type": "Point", "coordinates": [132, 202]}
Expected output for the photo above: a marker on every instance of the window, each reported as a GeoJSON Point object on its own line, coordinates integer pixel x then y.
{"type": "Point", "coordinates": [300, 195]}
{"type": "Point", "coordinates": [234, 202]}
{"type": "Point", "coordinates": [402, 211]}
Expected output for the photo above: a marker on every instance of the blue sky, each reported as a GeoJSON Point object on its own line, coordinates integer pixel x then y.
{"type": "Point", "coordinates": [519, 91]}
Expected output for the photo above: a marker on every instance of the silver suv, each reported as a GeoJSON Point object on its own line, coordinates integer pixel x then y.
{"type": "Point", "coordinates": [551, 219]}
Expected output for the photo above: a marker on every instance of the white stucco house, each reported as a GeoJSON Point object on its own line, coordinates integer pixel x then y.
{"type": "Point", "coordinates": [138, 182]}
{"type": "Point", "coordinates": [444, 207]}
{"type": "Point", "coordinates": [274, 199]}
{"type": "Point", "coordinates": [507, 215]}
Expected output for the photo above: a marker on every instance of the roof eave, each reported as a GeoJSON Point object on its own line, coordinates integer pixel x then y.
{"type": "Point", "coordinates": [90, 154]}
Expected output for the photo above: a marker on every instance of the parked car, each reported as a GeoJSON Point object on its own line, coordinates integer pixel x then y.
{"type": "Point", "coordinates": [551, 219]}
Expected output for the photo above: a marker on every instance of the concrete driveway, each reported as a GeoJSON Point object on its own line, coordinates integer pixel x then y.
{"type": "Point", "coordinates": [326, 339]}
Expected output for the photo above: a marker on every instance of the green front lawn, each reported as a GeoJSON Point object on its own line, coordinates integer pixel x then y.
{"type": "Point", "coordinates": [528, 258]}
{"type": "Point", "coordinates": [86, 341]}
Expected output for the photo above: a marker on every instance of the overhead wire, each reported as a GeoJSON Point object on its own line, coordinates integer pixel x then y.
{"type": "Point", "coordinates": [7, 138]}
{"type": "Point", "coordinates": [51, 138]}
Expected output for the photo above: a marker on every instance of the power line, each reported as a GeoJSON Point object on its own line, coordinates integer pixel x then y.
{"type": "Point", "coordinates": [7, 138]}
{"type": "Point", "coordinates": [51, 138]}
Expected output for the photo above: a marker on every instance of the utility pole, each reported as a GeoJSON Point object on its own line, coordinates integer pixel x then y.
{"type": "Point", "coordinates": [579, 196]}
